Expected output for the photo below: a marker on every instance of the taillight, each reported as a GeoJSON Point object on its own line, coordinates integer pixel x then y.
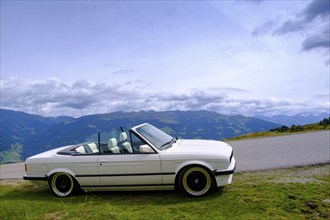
{"type": "Point", "coordinates": [25, 167]}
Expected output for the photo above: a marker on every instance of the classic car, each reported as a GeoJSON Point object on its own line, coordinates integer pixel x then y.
{"type": "Point", "coordinates": [149, 159]}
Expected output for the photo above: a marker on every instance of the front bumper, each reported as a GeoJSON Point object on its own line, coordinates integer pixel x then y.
{"type": "Point", "coordinates": [224, 177]}
{"type": "Point", "coordinates": [230, 169]}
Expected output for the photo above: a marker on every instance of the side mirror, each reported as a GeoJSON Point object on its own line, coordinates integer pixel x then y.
{"type": "Point", "coordinates": [146, 149]}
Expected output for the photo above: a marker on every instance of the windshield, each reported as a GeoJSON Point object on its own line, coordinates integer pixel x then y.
{"type": "Point", "coordinates": [158, 138]}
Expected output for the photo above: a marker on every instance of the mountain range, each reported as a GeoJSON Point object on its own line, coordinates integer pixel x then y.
{"type": "Point", "coordinates": [29, 134]}
{"type": "Point", "coordinates": [35, 133]}
{"type": "Point", "coordinates": [298, 119]}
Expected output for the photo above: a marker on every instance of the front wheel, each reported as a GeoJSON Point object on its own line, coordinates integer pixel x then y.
{"type": "Point", "coordinates": [196, 181]}
{"type": "Point", "coordinates": [63, 184]}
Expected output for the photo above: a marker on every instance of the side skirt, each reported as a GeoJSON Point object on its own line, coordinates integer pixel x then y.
{"type": "Point", "coordinates": [146, 187]}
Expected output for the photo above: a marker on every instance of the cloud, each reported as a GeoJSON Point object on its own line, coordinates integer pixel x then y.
{"type": "Point", "coordinates": [317, 8]}
{"type": "Point", "coordinates": [290, 26]}
{"type": "Point", "coordinates": [264, 28]}
{"type": "Point", "coordinates": [53, 97]}
{"type": "Point", "coordinates": [312, 22]}
{"type": "Point", "coordinates": [314, 14]}
{"type": "Point", "coordinates": [317, 40]}
{"type": "Point", "coordinates": [123, 71]}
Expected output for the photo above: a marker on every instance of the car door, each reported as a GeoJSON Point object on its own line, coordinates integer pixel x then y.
{"type": "Point", "coordinates": [83, 163]}
{"type": "Point", "coordinates": [130, 169]}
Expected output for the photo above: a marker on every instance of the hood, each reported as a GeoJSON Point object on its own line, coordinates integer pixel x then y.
{"type": "Point", "coordinates": [200, 147]}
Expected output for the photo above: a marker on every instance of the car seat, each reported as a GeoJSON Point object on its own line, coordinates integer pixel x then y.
{"type": "Point", "coordinates": [112, 145]}
{"type": "Point", "coordinates": [124, 143]}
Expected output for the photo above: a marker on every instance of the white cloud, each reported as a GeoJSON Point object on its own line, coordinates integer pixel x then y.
{"type": "Point", "coordinates": [54, 98]}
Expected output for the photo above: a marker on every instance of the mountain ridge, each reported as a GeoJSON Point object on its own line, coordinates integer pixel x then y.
{"type": "Point", "coordinates": [37, 133]}
{"type": "Point", "coordinates": [297, 119]}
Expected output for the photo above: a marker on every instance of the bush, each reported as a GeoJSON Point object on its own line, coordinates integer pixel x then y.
{"type": "Point", "coordinates": [295, 128]}
{"type": "Point", "coordinates": [281, 129]}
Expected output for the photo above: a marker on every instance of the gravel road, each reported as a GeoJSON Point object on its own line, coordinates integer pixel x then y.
{"type": "Point", "coordinates": [254, 154]}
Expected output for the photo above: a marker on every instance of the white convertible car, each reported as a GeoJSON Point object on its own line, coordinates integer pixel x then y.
{"type": "Point", "coordinates": [149, 160]}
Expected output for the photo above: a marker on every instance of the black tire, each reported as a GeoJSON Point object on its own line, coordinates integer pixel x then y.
{"type": "Point", "coordinates": [196, 181]}
{"type": "Point", "coordinates": [63, 184]}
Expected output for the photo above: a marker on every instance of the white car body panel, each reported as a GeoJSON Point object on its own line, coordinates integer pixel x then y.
{"type": "Point", "coordinates": [129, 169]}
{"type": "Point", "coordinates": [140, 171]}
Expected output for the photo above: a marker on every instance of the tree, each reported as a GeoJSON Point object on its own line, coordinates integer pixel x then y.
{"type": "Point", "coordinates": [325, 121]}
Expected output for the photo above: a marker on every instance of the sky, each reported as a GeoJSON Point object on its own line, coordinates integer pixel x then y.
{"type": "Point", "coordinates": [75, 58]}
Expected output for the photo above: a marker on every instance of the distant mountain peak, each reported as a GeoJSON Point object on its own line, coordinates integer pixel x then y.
{"type": "Point", "coordinates": [298, 119]}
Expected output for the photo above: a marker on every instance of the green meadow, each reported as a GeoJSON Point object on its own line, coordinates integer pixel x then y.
{"type": "Point", "coordinates": [297, 193]}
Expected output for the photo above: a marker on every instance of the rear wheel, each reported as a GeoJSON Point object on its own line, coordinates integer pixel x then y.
{"type": "Point", "coordinates": [196, 181]}
{"type": "Point", "coordinates": [63, 184]}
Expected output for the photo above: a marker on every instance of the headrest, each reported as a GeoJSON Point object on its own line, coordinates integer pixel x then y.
{"type": "Point", "coordinates": [81, 149]}
{"type": "Point", "coordinates": [112, 142]}
{"type": "Point", "coordinates": [122, 136]}
{"type": "Point", "coordinates": [93, 147]}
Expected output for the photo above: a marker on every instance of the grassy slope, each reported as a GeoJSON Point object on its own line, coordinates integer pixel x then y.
{"type": "Point", "coordinates": [304, 129]}
{"type": "Point", "coordinates": [281, 194]}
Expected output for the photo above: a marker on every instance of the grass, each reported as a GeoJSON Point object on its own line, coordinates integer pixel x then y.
{"type": "Point", "coordinates": [300, 130]}
{"type": "Point", "coordinates": [297, 193]}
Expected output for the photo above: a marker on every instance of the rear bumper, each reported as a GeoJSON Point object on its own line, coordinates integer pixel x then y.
{"type": "Point", "coordinates": [44, 178]}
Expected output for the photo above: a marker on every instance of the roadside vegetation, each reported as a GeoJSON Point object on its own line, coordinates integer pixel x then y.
{"type": "Point", "coordinates": [12, 155]}
{"type": "Point", "coordinates": [285, 130]}
{"type": "Point", "coordinates": [297, 193]}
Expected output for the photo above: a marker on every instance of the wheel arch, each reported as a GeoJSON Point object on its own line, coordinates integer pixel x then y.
{"type": "Point", "coordinates": [184, 165]}
{"type": "Point", "coordinates": [61, 170]}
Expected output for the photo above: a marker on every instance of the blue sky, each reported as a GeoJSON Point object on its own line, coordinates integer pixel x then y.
{"type": "Point", "coordinates": [234, 57]}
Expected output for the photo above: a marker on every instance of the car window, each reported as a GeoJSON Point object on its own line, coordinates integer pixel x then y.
{"type": "Point", "coordinates": [136, 142]}
{"type": "Point", "coordinates": [155, 136]}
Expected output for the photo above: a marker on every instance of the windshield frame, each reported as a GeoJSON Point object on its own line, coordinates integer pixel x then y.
{"type": "Point", "coordinates": [155, 136]}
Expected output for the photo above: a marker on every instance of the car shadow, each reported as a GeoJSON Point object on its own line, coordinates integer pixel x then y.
{"type": "Point", "coordinates": [165, 196]}
{"type": "Point", "coordinates": [31, 192]}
